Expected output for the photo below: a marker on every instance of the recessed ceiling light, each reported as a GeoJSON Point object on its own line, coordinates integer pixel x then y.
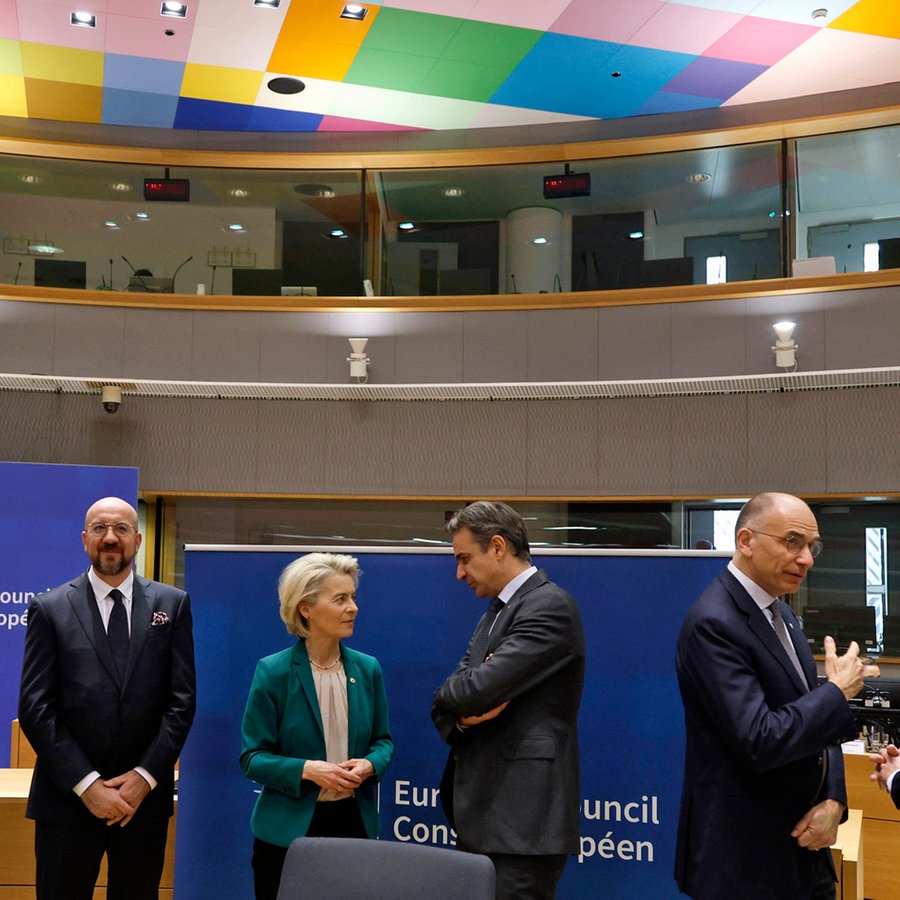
{"type": "Point", "coordinates": [407, 226]}
{"type": "Point", "coordinates": [109, 223]}
{"type": "Point", "coordinates": [271, 4]}
{"type": "Point", "coordinates": [239, 193]}
{"type": "Point", "coordinates": [635, 235]}
{"type": "Point", "coordinates": [454, 192]}
{"type": "Point", "coordinates": [539, 240]}
{"type": "Point", "coordinates": [173, 9]}
{"type": "Point", "coordinates": [818, 14]}
{"type": "Point", "coordinates": [354, 11]}
{"type": "Point", "coordinates": [698, 178]}
{"type": "Point", "coordinates": [30, 179]}
{"type": "Point", "coordinates": [285, 85]}
{"type": "Point", "coordinates": [83, 19]}
{"type": "Point", "coordinates": [235, 226]}
{"type": "Point", "coordinates": [143, 216]}
{"type": "Point", "coordinates": [338, 234]}
{"type": "Point", "coordinates": [120, 187]}
{"type": "Point", "coordinates": [45, 246]}
{"type": "Point", "coordinates": [325, 193]}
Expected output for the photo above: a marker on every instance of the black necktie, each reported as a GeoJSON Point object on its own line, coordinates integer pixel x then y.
{"type": "Point", "coordinates": [117, 631]}
{"type": "Point", "coordinates": [483, 632]}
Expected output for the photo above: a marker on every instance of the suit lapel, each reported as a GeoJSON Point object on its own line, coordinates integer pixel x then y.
{"type": "Point", "coordinates": [84, 605]}
{"type": "Point", "coordinates": [760, 625]}
{"type": "Point", "coordinates": [506, 616]}
{"type": "Point", "coordinates": [142, 603]}
{"type": "Point", "coordinates": [303, 671]}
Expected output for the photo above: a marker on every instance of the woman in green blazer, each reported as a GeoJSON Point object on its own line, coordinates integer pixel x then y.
{"type": "Point", "coordinates": [315, 732]}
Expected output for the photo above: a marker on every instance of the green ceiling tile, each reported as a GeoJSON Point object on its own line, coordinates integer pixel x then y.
{"type": "Point", "coordinates": [399, 31]}
{"type": "Point", "coordinates": [385, 69]}
{"type": "Point", "coordinates": [10, 57]}
{"type": "Point", "coordinates": [463, 81]}
{"type": "Point", "coordinates": [500, 45]}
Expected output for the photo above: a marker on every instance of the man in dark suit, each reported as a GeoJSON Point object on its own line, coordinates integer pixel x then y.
{"type": "Point", "coordinates": [764, 788]}
{"type": "Point", "coordinates": [887, 765]}
{"type": "Point", "coordinates": [106, 700]}
{"type": "Point", "coordinates": [509, 711]}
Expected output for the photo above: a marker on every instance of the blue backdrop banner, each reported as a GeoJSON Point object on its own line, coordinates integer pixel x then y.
{"type": "Point", "coordinates": [41, 520]}
{"type": "Point", "coordinates": [416, 619]}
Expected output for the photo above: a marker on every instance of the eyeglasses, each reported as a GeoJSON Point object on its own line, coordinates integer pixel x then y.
{"type": "Point", "coordinates": [120, 529]}
{"type": "Point", "coordinates": [794, 544]}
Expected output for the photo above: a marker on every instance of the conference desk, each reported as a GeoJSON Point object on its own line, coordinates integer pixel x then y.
{"type": "Point", "coordinates": [17, 843]}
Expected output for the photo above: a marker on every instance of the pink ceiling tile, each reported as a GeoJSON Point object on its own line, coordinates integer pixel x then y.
{"type": "Point", "coordinates": [41, 22]}
{"type": "Point", "coordinates": [131, 36]}
{"type": "Point", "coordinates": [761, 41]}
{"type": "Point", "coordinates": [9, 20]}
{"type": "Point", "coordinates": [684, 29]}
{"type": "Point", "coordinates": [537, 14]}
{"type": "Point", "coordinates": [615, 21]}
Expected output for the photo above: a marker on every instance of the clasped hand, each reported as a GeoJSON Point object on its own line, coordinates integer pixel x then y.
{"type": "Point", "coordinates": [116, 799]}
{"type": "Point", "coordinates": [343, 777]}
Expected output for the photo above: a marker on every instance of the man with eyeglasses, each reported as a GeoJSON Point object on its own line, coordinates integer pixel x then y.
{"type": "Point", "coordinates": [106, 700]}
{"type": "Point", "coordinates": [764, 787]}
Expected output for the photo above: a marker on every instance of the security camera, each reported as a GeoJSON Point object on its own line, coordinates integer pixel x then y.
{"type": "Point", "coordinates": [111, 397]}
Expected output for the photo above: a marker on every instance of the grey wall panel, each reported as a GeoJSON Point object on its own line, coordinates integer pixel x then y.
{"type": "Point", "coordinates": [359, 447]}
{"type": "Point", "coordinates": [89, 340]}
{"type": "Point", "coordinates": [562, 447]}
{"type": "Point", "coordinates": [816, 442]}
{"type": "Point", "coordinates": [863, 328]}
{"type": "Point", "coordinates": [226, 346]}
{"type": "Point", "coordinates": [293, 347]}
{"type": "Point", "coordinates": [291, 452]}
{"type": "Point", "coordinates": [493, 458]}
{"type": "Point", "coordinates": [158, 344]}
{"type": "Point", "coordinates": [635, 342]}
{"type": "Point", "coordinates": [787, 442]}
{"type": "Point", "coordinates": [863, 449]}
{"type": "Point", "coordinates": [563, 347]}
{"type": "Point", "coordinates": [708, 339]}
{"type": "Point", "coordinates": [495, 347]}
{"type": "Point", "coordinates": [429, 349]}
{"type": "Point", "coordinates": [27, 337]}
{"type": "Point", "coordinates": [709, 445]}
{"type": "Point", "coordinates": [633, 443]}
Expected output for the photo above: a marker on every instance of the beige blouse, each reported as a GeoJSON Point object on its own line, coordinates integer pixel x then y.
{"type": "Point", "coordinates": [331, 691]}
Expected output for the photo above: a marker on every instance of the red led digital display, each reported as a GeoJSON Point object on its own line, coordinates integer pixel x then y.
{"type": "Point", "coordinates": [167, 189]}
{"type": "Point", "coordinates": [570, 184]}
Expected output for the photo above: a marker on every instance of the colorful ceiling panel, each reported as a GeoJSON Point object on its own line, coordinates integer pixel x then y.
{"type": "Point", "coordinates": [299, 65]}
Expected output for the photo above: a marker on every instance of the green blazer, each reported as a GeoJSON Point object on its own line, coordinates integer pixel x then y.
{"type": "Point", "coordinates": [282, 728]}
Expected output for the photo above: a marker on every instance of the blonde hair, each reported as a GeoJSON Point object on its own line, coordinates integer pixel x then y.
{"type": "Point", "coordinates": [302, 580]}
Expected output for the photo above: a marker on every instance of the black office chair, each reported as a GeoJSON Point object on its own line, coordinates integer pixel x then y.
{"type": "Point", "coordinates": [358, 869]}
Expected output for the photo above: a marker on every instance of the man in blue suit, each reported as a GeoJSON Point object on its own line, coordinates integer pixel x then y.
{"type": "Point", "coordinates": [106, 700]}
{"type": "Point", "coordinates": [764, 788]}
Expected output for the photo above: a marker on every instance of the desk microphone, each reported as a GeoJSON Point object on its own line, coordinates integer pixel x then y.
{"type": "Point", "coordinates": [135, 272]}
{"type": "Point", "coordinates": [512, 278]}
{"type": "Point", "coordinates": [18, 269]}
{"type": "Point", "coordinates": [178, 270]}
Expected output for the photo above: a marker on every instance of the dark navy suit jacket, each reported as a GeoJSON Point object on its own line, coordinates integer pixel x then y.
{"type": "Point", "coordinates": [80, 717]}
{"type": "Point", "coordinates": [756, 737]}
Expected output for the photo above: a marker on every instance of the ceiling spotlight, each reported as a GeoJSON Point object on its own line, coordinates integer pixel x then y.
{"type": "Point", "coordinates": [698, 178]}
{"type": "Point", "coordinates": [635, 235]}
{"type": "Point", "coordinates": [143, 216]}
{"type": "Point", "coordinates": [408, 227]}
{"type": "Point", "coordinates": [173, 10]}
{"type": "Point", "coordinates": [109, 223]}
{"type": "Point", "coordinates": [359, 362]}
{"type": "Point", "coordinates": [239, 193]}
{"type": "Point", "coordinates": [454, 192]}
{"type": "Point", "coordinates": [235, 226]}
{"type": "Point", "coordinates": [338, 234]}
{"type": "Point", "coordinates": [354, 11]}
{"type": "Point", "coordinates": [120, 187]}
{"type": "Point", "coordinates": [44, 248]}
{"type": "Point", "coordinates": [83, 19]}
{"type": "Point", "coordinates": [819, 14]}
{"type": "Point", "coordinates": [271, 4]}
{"type": "Point", "coordinates": [539, 240]}
{"type": "Point", "coordinates": [30, 179]}
{"type": "Point", "coordinates": [785, 348]}
{"type": "Point", "coordinates": [325, 193]}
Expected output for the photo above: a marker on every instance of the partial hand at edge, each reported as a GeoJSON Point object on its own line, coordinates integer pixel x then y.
{"type": "Point", "coordinates": [819, 827]}
{"type": "Point", "coordinates": [466, 721]}
{"type": "Point", "coordinates": [848, 670]}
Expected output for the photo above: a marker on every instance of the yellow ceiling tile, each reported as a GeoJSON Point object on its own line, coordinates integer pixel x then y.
{"type": "Point", "coordinates": [63, 101]}
{"type": "Point", "coordinates": [12, 96]}
{"type": "Point", "coordinates": [322, 20]}
{"type": "Point", "coordinates": [878, 17]}
{"type": "Point", "coordinates": [51, 63]}
{"type": "Point", "coordinates": [316, 59]}
{"type": "Point", "coordinates": [220, 84]}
